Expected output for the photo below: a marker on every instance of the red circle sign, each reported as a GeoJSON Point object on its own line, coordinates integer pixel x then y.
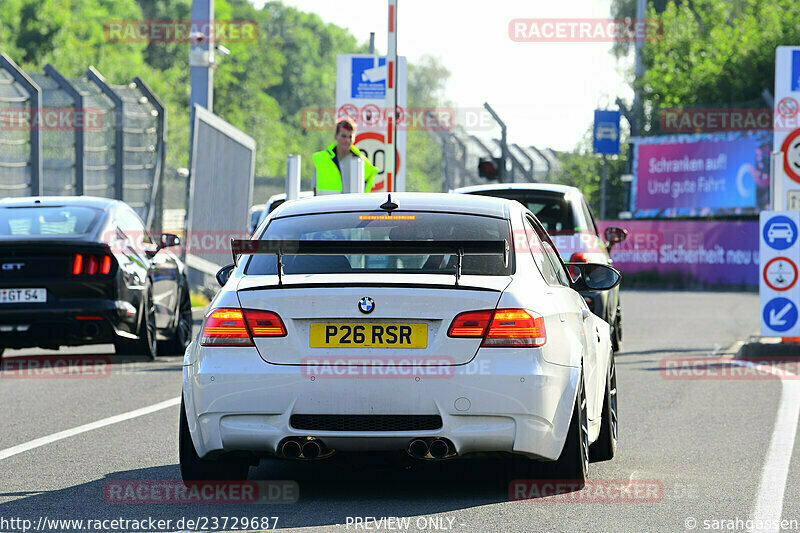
{"type": "Point", "coordinates": [375, 138]}
{"type": "Point", "coordinates": [370, 114]}
{"type": "Point", "coordinates": [349, 110]}
{"type": "Point", "coordinates": [791, 159]}
{"type": "Point", "coordinates": [787, 107]}
{"type": "Point", "coordinates": [791, 275]}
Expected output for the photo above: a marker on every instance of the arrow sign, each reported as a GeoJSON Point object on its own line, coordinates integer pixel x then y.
{"type": "Point", "coordinates": [780, 314]}
{"type": "Point", "coordinates": [776, 319]}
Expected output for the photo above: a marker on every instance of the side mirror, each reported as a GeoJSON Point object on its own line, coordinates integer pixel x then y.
{"type": "Point", "coordinates": [593, 276]}
{"type": "Point", "coordinates": [614, 236]}
{"type": "Point", "coordinates": [224, 274]}
{"type": "Point", "coordinates": [169, 239]}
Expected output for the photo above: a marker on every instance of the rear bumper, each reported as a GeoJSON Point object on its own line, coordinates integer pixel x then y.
{"type": "Point", "coordinates": [505, 400]}
{"type": "Point", "coordinates": [50, 326]}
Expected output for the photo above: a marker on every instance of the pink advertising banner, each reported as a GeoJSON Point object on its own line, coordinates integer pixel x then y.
{"type": "Point", "coordinates": [687, 252]}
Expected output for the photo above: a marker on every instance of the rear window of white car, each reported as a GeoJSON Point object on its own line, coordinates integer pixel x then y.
{"type": "Point", "coordinates": [399, 226]}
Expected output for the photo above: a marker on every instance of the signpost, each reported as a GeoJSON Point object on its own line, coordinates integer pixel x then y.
{"type": "Point", "coordinates": [605, 141]}
{"type": "Point", "coordinates": [779, 255]}
{"type": "Point", "coordinates": [786, 127]}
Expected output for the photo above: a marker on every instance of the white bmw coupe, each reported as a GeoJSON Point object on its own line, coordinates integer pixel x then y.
{"type": "Point", "coordinates": [436, 325]}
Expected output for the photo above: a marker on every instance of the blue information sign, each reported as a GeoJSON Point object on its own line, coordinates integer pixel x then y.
{"type": "Point", "coordinates": [606, 132]}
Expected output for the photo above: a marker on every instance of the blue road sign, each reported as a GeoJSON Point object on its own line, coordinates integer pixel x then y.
{"type": "Point", "coordinates": [780, 314]}
{"type": "Point", "coordinates": [606, 132]}
{"type": "Point", "coordinates": [780, 232]}
{"type": "Point", "coordinates": [795, 70]}
{"type": "Point", "coordinates": [368, 80]}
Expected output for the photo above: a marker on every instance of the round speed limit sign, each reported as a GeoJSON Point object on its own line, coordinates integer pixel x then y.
{"type": "Point", "coordinates": [791, 155]}
{"type": "Point", "coordinates": [372, 144]}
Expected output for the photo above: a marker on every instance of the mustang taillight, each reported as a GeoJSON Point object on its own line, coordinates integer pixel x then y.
{"type": "Point", "coordinates": [578, 257]}
{"type": "Point", "coordinates": [91, 264]}
{"type": "Point", "coordinates": [236, 327]}
{"type": "Point", "coordinates": [501, 328]}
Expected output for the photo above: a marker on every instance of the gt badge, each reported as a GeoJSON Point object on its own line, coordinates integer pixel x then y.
{"type": "Point", "coordinates": [366, 305]}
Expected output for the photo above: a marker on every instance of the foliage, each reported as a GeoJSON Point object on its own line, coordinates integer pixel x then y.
{"type": "Point", "coordinates": [261, 88]}
{"type": "Point", "coordinates": [716, 53]}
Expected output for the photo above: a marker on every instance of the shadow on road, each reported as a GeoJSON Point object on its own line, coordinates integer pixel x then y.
{"type": "Point", "coordinates": [329, 492]}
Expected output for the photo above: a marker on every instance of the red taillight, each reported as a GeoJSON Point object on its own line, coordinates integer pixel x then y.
{"type": "Point", "coordinates": [470, 324]}
{"type": "Point", "coordinates": [515, 328]}
{"type": "Point", "coordinates": [234, 327]}
{"type": "Point", "coordinates": [225, 327]}
{"type": "Point", "coordinates": [501, 328]}
{"type": "Point", "coordinates": [77, 264]}
{"type": "Point", "coordinates": [578, 257]}
{"type": "Point", "coordinates": [264, 323]}
{"type": "Point", "coordinates": [94, 264]}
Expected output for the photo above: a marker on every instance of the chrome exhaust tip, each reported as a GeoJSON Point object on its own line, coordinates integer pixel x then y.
{"type": "Point", "coordinates": [312, 449]}
{"type": "Point", "coordinates": [418, 448]}
{"type": "Point", "coordinates": [291, 448]}
{"type": "Point", "coordinates": [439, 449]}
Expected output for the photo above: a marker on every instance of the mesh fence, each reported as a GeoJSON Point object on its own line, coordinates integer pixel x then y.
{"type": "Point", "coordinates": [71, 125]}
{"type": "Point", "coordinates": [15, 147]}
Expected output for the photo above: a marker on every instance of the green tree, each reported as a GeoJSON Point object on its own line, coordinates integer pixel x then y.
{"type": "Point", "coordinates": [715, 53]}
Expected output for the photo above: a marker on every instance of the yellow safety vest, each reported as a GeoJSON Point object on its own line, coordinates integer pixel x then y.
{"type": "Point", "coordinates": [328, 176]}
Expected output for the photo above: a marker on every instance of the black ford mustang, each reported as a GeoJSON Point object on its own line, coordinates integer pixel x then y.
{"type": "Point", "coordinates": [83, 270]}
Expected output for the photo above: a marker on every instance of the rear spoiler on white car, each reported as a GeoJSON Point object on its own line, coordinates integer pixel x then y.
{"type": "Point", "coordinates": [295, 247]}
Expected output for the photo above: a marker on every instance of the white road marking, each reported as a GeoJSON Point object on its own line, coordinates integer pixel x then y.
{"type": "Point", "coordinates": [36, 443]}
{"type": "Point", "coordinates": [769, 505]}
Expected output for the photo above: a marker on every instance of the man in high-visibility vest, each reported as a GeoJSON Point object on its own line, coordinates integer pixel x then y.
{"type": "Point", "coordinates": [332, 165]}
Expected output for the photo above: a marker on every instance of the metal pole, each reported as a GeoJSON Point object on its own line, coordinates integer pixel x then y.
{"type": "Point", "coordinates": [391, 97]}
{"type": "Point", "coordinates": [119, 133]}
{"type": "Point", "coordinates": [77, 99]}
{"type": "Point", "coordinates": [776, 181]}
{"type": "Point", "coordinates": [372, 43]}
{"type": "Point", "coordinates": [154, 214]}
{"type": "Point", "coordinates": [603, 189]}
{"type": "Point", "coordinates": [292, 177]}
{"type": "Point", "coordinates": [503, 140]}
{"type": "Point", "coordinates": [356, 182]}
{"type": "Point", "coordinates": [546, 161]}
{"type": "Point", "coordinates": [527, 156]}
{"type": "Point", "coordinates": [638, 115]}
{"type": "Point", "coordinates": [201, 55]}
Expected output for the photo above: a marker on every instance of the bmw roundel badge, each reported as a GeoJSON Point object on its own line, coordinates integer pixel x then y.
{"type": "Point", "coordinates": [366, 305]}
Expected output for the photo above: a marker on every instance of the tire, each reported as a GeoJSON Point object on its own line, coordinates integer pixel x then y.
{"type": "Point", "coordinates": [146, 343]}
{"type": "Point", "coordinates": [616, 332]}
{"type": "Point", "coordinates": [182, 334]}
{"type": "Point", "coordinates": [605, 448]}
{"type": "Point", "coordinates": [193, 468]}
{"type": "Point", "coordinates": [573, 464]}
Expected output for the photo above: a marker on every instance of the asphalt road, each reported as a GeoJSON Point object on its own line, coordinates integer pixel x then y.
{"type": "Point", "coordinates": [703, 443]}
